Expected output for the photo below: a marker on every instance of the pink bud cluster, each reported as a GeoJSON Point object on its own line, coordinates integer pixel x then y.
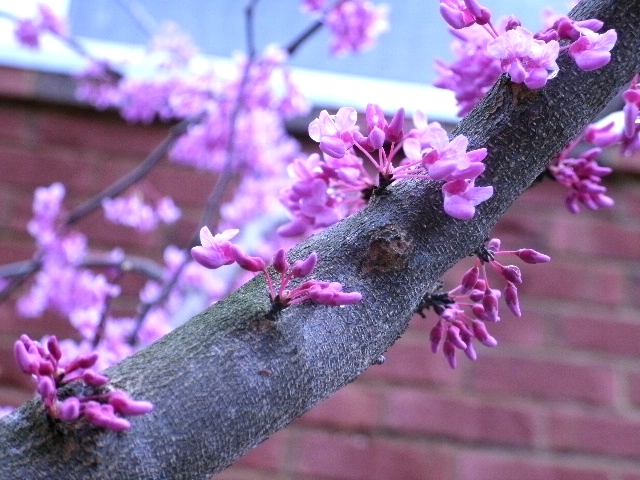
{"type": "Point", "coordinates": [133, 212]}
{"type": "Point", "coordinates": [324, 188]}
{"type": "Point", "coordinates": [464, 310]}
{"type": "Point", "coordinates": [488, 50]}
{"type": "Point", "coordinates": [102, 410]}
{"type": "Point", "coordinates": [620, 127]}
{"type": "Point", "coordinates": [218, 250]}
{"type": "Point", "coordinates": [582, 175]}
{"type": "Point", "coordinates": [27, 31]}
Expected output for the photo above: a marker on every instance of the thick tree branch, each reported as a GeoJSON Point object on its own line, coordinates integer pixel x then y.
{"type": "Point", "coordinates": [207, 379]}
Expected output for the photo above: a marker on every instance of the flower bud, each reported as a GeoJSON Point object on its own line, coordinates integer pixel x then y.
{"type": "Point", "coordinates": [511, 273]}
{"type": "Point", "coordinates": [69, 409]}
{"type": "Point", "coordinates": [244, 261]}
{"type": "Point", "coordinates": [450, 353]}
{"type": "Point", "coordinates": [481, 333]}
{"type": "Point", "coordinates": [511, 299]}
{"type": "Point", "coordinates": [435, 336]}
{"type": "Point", "coordinates": [27, 362]}
{"type": "Point", "coordinates": [54, 347]}
{"type": "Point", "coordinates": [395, 129]}
{"type": "Point", "coordinates": [529, 255]}
{"type": "Point", "coordinates": [490, 305]}
{"type": "Point", "coordinates": [302, 268]}
{"type": "Point", "coordinates": [453, 336]}
{"type": "Point", "coordinates": [280, 262]}
{"type": "Point", "coordinates": [469, 279]}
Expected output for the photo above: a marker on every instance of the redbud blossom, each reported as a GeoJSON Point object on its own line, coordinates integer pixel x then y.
{"type": "Point", "coordinates": [97, 408]}
{"type": "Point", "coordinates": [215, 250]}
{"type": "Point", "coordinates": [592, 50]}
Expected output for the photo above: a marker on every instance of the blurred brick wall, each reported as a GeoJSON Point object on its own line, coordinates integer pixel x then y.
{"type": "Point", "coordinates": [558, 399]}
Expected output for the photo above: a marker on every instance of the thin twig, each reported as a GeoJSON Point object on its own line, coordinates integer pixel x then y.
{"type": "Point", "coordinates": [138, 173]}
{"type": "Point", "coordinates": [213, 202]}
{"type": "Point", "coordinates": [141, 16]}
{"type": "Point", "coordinates": [306, 34]}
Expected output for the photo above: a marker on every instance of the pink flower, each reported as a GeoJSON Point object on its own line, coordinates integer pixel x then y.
{"type": "Point", "coordinates": [524, 58]}
{"type": "Point", "coordinates": [592, 50]}
{"type": "Point", "coordinates": [215, 251]}
{"type": "Point", "coordinates": [335, 132]}
{"type": "Point", "coordinates": [461, 198]}
{"type": "Point", "coordinates": [355, 25]}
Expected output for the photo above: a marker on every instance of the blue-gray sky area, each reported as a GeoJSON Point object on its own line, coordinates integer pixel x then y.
{"type": "Point", "coordinates": [406, 52]}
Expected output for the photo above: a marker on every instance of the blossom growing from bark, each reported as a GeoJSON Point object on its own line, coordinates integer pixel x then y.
{"type": "Point", "coordinates": [45, 363]}
{"type": "Point", "coordinates": [486, 50]}
{"type": "Point", "coordinates": [464, 311]}
{"type": "Point", "coordinates": [592, 50]}
{"type": "Point", "coordinates": [322, 292]}
{"type": "Point", "coordinates": [216, 250]}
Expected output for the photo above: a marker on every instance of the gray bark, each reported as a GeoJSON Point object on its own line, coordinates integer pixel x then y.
{"type": "Point", "coordinates": [228, 379]}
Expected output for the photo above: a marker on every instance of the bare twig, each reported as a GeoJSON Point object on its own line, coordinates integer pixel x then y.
{"type": "Point", "coordinates": [141, 16]}
{"type": "Point", "coordinates": [213, 202]}
{"type": "Point", "coordinates": [138, 173]}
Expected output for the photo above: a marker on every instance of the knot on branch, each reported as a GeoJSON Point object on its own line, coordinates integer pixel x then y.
{"type": "Point", "coordinates": [388, 251]}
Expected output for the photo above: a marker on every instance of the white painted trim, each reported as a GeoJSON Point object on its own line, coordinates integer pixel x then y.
{"type": "Point", "coordinates": [324, 89]}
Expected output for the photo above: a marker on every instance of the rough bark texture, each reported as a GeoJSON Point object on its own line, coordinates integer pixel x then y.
{"type": "Point", "coordinates": [228, 378]}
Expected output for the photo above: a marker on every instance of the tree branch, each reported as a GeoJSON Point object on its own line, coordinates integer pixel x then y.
{"type": "Point", "coordinates": [212, 401]}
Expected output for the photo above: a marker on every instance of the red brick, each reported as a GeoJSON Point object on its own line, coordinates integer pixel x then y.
{"type": "Point", "coordinates": [354, 407]}
{"type": "Point", "coordinates": [106, 131]}
{"type": "Point", "coordinates": [591, 433]}
{"type": "Point", "coordinates": [16, 82]}
{"type": "Point", "coordinates": [602, 334]}
{"type": "Point", "coordinates": [437, 416]}
{"type": "Point", "coordinates": [405, 460]}
{"type": "Point", "coordinates": [269, 455]}
{"type": "Point", "coordinates": [42, 167]}
{"type": "Point", "coordinates": [186, 185]}
{"type": "Point", "coordinates": [591, 283]}
{"type": "Point", "coordinates": [14, 120]}
{"type": "Point", "coordinates": [334, 455]}
{"type": "Point", "coordinates": [596, 237]}
{"type": "Point", "coordinates": [412, 362]}
{"type": "Point", "coordinates": [492, 466]}
{"type": "Point", "coordinates": [634, 388]}
{"type": "Point", "coordinates": [545, 379]}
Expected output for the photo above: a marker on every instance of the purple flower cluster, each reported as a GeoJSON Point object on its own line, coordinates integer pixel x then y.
{"type": "Point", "coordinates": [582, 176]}
{"type": "Point", "coordinates": [102, 410]}
{"type": "Point", "coordinates": [27, 31]}
{"type": "Point", "coordinates": [133, 212]}
{"type": "Point", "coordinates": [355, 25]}
{"type": "Point", "coordinates": [620, 127]}
{"type": "Point", "coordinates": [329, 188]}
{"type": "Point", "coordinates": [464, 310]}
{"type": "Point", "coordinates": [218, 250]}
{"type": "Point", "coordinates": [488, 50]}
